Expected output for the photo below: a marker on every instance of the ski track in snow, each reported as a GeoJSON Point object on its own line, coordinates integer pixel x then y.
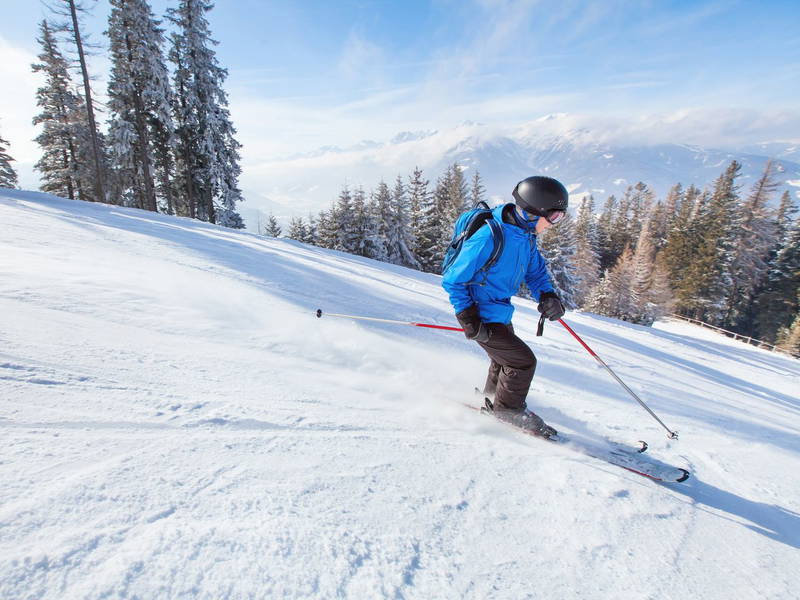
{"type": "Point", "coordinates": [177, 423]}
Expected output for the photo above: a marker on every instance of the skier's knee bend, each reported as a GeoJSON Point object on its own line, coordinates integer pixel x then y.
{"type": "Point", "coordinates": [525, 361]}
{"type": "Point", "coordinates": [525, 372]}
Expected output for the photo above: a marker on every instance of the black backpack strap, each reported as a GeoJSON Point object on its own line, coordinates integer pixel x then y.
{"type": "Point", "coordinates": [499, 243]}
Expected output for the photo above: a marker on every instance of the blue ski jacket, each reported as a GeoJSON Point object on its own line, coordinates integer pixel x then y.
{"type": "Point", "coordinates": [492, 291]}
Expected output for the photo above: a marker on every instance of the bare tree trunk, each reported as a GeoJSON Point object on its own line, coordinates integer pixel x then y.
{"type": "Point", "coordinates": [189, 182]}
{"type": "Point", "coordinates": [99, 183]}
{"type": "Point", "coordinates": [69, 159]}
{"type": "Point", "coordinates": [166, 185]}
{"type": "Point", "coordinates": [70, 190]}
{"type": "Point", "coordinates": [212, 215]}
{"type": "Point", "coordinates": [188, 190]}
{"type": "Point", "coordinates": [73, 162]}
{"type": "Point", "coordinates": [144, 157]}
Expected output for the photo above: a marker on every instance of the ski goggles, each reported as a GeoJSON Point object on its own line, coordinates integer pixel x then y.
{"type": "Point", "coordinates": [554, 215]}
{"type": "Point", "coordinates": [551, 215]}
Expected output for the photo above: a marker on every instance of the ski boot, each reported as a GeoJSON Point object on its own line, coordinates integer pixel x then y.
{"type": "Point", "coordinates": [522, 418]}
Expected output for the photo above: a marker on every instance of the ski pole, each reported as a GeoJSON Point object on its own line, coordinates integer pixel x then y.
{"type": "Point", "coordinates": [673, 435]}
{"type": "Point", "coordinates": [412, 324]}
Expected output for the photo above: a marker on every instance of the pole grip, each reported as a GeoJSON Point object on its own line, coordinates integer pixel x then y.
{"type": "Point", "coordinates": [540, 327]}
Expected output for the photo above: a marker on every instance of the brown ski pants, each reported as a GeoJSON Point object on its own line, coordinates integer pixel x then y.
{"type": "Point", "coordinates": [512, 367]}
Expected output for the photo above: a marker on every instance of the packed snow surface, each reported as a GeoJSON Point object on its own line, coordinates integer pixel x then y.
{"type": "Point", "coordinates": [177, 423]}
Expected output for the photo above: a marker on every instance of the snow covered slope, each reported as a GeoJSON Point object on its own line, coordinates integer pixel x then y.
{"type": "Point", "coordinates": [176, 423]}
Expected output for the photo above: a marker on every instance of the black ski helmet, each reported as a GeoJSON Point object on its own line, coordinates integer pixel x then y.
{"type": "Point", "coordinates": [540, 195]}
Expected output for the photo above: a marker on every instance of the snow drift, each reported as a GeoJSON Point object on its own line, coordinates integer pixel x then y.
{"type": "Point", "coordinates": [176, 422]}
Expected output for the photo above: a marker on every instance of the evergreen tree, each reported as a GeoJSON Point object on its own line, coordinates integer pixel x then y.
{"type": "Point", "coordinates": [620, 228]}
{"type": "Point", "coordinates": [424, 225]}
{"type": "Point", "coordinates": [699, 202]}
{"type": "Point", "coordinates": [208, 153]}
{"type": "Point", "coordinates": [399, 234]}
{"type": "Point", "coordinates": [558, 246]}
{"type": "Point", "coordinates": [641, 205]}
{"type": "Point", "coordinates": [297, 230]}
{"type": "Point", "coordinates": [620, 222]}
{"type": "Point", "coordinates": [8, 176]}
{"type": "Point", "coordinates": [363, 225]}
{"type": "Point", "coordinates": [477, 191]}
{"type": "Point", "coordinates": [312, 231]}
{"type": "Point", "coordinates": [458, 198]}
{"type": "Point", "coordinates": [439, 219]}
{"type": "Point", "coordinates": [650, 293]}
{"type": "Point", "coordinates": [786, 211]}
{"type": "Point", "coordinates": [754, 235]}
{"type": "Point", "coordinates": [449, 201]}
{"type": "Point", "coordinates": [64, 135]}
{"type": "Point", "coordinates": [93, 159]}
{"type": "Point", "coordinates": [346, 234]}
{"type": "Point", "coordinates": [636, 289]}
{"type": "Point", "coordinates": [673, 206]}
{"type": "Point", "coordinates": [679, 208]}
{"type": "Point", "coordinates": [614, 295]}
{"type": "Point", "coordinates": [681, 244]}
{"type": "Point", "coordinates": [783, 229]}
{"type": "Point", "coordinates": [620, 234]}
{"type": "Point", "coordinates": [708, 280]}
{"type": "Point", "coordinates": [587, 255]}
{"type": "Point", "coordinates": [789, 337]}
{"type": "Point", "coordinates": [273, 229]}
{"type": "Point", "coordinates": [140, 127]}
{"type": "Point", "coordinates": [165, 148]}
{"type": "Point", "coordinates": [605, 229]}
{"type": "Point", "coordinates": [659, 225]}
{"type": "Point", "coordinates": [380, 208]}
{"type": "Point", "coordinates": [777, 304]}
{"type": "Point", "coordinates": [327, 231]}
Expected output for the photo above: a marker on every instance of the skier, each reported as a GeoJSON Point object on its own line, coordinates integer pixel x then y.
{"type": "Point", "coordinates": [482, 301]}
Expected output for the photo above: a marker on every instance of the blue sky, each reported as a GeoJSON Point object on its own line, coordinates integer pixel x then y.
{"type": "Point", "coordinates": [606, 55]}
{"type": "Point", "coordinates": [307, 74]}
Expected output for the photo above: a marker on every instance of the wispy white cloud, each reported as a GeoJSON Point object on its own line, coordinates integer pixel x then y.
{"type": "Point", "coordinates": [270, 129]}
{"type": "Point", "coordinates": [713, 128]}
{"type": "Point", "coordinates": [686, 18]}
{"type": "Point", "coordinates": [360, 59]}
{"type": "Point", "coordinates": [497, 32]}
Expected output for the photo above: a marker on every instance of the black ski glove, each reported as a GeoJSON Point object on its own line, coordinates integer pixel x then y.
{"type": "Point", "coordinates": [474, 328]}
{"type": "Point", "coordinates": [550, 306]}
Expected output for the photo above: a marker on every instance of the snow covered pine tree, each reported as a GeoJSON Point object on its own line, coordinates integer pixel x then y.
{"type": "Point", "coordinates": [8, 176]}
{"type": "Point", "coordinates": [208, 154]}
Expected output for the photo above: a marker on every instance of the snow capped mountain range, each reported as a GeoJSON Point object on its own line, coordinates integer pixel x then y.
{"type": "Point", "coordinates": [598, 160]}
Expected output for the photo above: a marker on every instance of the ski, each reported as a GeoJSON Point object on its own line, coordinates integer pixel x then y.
{"type": "Point", "coordinates": [640, 446]}
{"type": "Point", "coordinates": [615, 454]}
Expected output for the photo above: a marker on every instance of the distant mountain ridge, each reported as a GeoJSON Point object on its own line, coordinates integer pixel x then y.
{"type": "Point", "coordinates": [586, 161]}
{"type": "Point", "coordinates": [605, 169]}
